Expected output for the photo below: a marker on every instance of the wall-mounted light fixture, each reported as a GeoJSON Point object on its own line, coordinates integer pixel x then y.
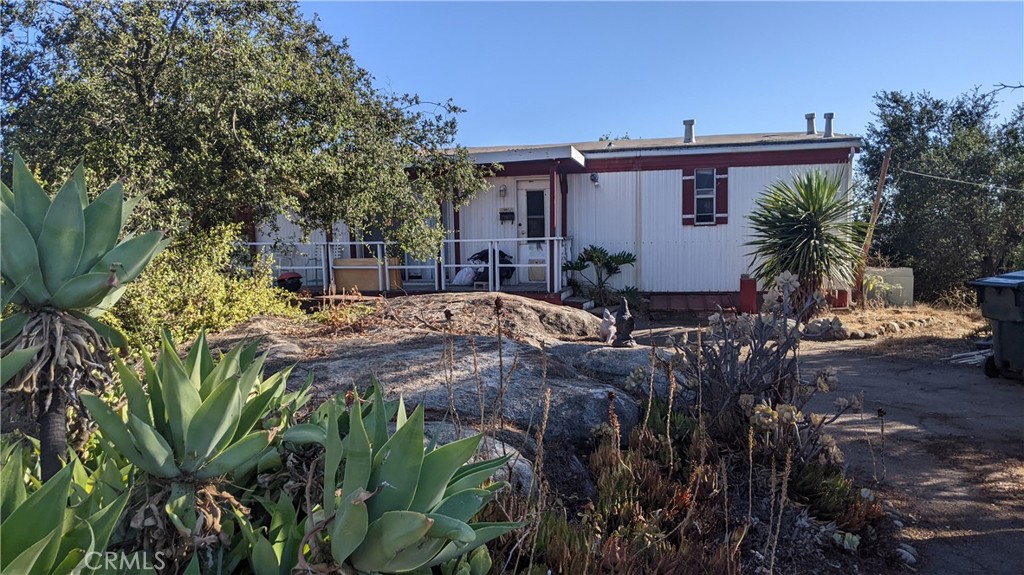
{"type": "Point", "coordinates": [502, 190]}
{"type": "Point", "coordinates": [594, 178]}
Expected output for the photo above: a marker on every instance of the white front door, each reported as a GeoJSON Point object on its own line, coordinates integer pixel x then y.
{"type": "Point", "coordinates": [533, 201]}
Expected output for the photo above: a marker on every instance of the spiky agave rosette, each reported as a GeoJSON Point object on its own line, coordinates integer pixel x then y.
{"type": "Point", "coordinates": [62, 267]}
{"type": "Point", "coordinates": [188, 425]}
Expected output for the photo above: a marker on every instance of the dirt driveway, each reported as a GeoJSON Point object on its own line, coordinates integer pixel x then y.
{"type": "Point", "coordinates": [953, 456]}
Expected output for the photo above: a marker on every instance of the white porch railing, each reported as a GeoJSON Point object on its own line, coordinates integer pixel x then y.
{"type": "Point", "coordinates": [306, 259]}
{"type": "Point", "coordinates": [317, 262]}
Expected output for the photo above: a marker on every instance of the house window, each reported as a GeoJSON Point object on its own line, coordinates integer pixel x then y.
{"type": "Point", "coordinates": [535, 214]}
{"type": "Point", "coordinates": [704, 197]}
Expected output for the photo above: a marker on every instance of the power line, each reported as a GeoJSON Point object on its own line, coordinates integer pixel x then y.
{"type": "Point", "coordinates": [960, 181]}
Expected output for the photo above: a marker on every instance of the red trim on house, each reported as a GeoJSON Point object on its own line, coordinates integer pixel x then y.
{"type": "Point", "coordinates": [693, 301]}
{"type": "Point", "coordinates": [530, 168]}
{"type": "Point", "coordinates": [552, 182]}
{"type": "Point", "coordinates": [719, 161]}
{"type": "Point", "coordinates": [688, 199]}
{"type": "Point", "coordinates": [563, 186]}
{"type": "Point", "coordinates": [244, 215]}
{"type": "Point", "coordinates": [721, 197]}
{"type": "Point", "coordinates": [352, 252]}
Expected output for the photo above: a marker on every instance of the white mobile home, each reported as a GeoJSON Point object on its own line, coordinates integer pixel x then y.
{"type": "Point", "coordinates": [679, 204]}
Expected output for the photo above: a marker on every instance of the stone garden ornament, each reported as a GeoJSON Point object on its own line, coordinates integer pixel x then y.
{"type": "Point", "coordinates": [624, 322]}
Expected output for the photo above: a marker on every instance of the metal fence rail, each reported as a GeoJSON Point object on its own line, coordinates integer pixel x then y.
{"type": "Point", "coordinates": [318, 262]}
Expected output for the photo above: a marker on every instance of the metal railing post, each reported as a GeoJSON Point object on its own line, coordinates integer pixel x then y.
{"type": "Point", "coordinates": [380, 269]}
{"type": "Point", "coordinates": [443, 267]}
{"type": "Point", "coordinates": [439, 269]}
{"type": "Point", "coordinates": [329, 269]}
{"type": "Point", "coordinates": [387, 274]}
{"type": "Point", "coordinates": [324, 259]}
{"type": "Point", "coordinates": [491, 283]}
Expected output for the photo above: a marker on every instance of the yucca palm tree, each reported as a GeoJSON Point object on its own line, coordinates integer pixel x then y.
{"type": "Point", "coordinates": [62, 267]}
{"type": "Point", "coordinates": [805, 227]}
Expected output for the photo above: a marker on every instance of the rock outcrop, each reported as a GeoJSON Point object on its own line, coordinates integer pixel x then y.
{"type": "Point", "coordinates": [458, 370]}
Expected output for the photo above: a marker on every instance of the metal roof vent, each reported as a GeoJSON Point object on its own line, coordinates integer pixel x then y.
{"type": "Point", "coordinates": [811, 130]}
{"type": "Point", "coordinates": [829, 116]}
{"type": "Point", "coordinates": [688, 137]}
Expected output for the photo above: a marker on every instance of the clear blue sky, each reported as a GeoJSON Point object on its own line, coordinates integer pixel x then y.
{"type": "Point", "coordinates": [535, 72]}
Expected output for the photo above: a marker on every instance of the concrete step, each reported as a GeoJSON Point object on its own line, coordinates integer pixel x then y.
{"type": "Point", "coordinates": [579, 302]}
{"type": "Point", "coordinates": [567, 293]}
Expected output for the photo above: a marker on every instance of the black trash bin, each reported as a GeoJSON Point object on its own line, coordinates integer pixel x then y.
{"type": "Point", "coordinates": [1002, 302]}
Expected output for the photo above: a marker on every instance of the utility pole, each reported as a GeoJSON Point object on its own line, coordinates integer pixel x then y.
{"type": "Point", "coordinates": [858, 277]}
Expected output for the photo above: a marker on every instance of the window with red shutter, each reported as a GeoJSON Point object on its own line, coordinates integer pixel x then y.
{"type": "Point", "coordinates": [705, 197]}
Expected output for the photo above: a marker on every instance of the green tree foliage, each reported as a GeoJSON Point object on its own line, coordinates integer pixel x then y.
{"type": "Point", "coordinates": [804, 227]}
{"type": "Point", "coordinates": [950, 232]}
{"type": "Point", "coordinates": [215, 110]}
{"type": "Point", "coordinates": [196, 285]}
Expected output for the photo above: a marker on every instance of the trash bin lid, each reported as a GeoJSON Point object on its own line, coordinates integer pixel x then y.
{"type": "Point", "coordinates": [289, 276]}
{"type": "Point", "coordinates": [1012, 280]}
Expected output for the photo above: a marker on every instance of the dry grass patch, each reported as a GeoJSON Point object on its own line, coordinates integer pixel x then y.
{"type": "Point", "coordinates": [946, 331]}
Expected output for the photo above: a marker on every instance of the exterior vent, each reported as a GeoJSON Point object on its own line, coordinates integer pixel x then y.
{"type": "Point", "coordinates": [829, 116]}
{"type": "Point", "coordinates": [689, 137]}
{"type": "Point", "coordinates": [811, 130]}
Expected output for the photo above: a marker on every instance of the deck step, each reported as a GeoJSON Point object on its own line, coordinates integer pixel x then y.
{"type": "Point", "coordinates": [579, 302]}
{"type": "Point", "coordinates": [567, 293]}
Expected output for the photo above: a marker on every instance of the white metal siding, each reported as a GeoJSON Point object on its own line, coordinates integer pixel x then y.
{"type": "Point", "coordinates": [290, 232]}
{"type": "Point", "coordinates": [672, 257]}
{"type": "Point", "coordinates": [604, 215]}
{"type": "Point", "coordinates": [479, 219]}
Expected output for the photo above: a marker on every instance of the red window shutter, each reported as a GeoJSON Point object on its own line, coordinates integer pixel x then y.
{"type": "Point", "coordinates": [688, 201]}
{"type": "Point", "coordinates": [722, 198]}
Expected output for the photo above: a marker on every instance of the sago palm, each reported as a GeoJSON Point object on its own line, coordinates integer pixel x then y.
{"type": "Point", "coordinates": [62, 266]}
{"type": "Point", "coordinates": [804, 227]}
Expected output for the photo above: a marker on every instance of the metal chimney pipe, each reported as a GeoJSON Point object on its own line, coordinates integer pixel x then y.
{"type": "Point", "coordinates": [688, 138]}
{"type": "Point", "coordinates": [811, 130]}
{"type": "Point", "coordinates": [829, 116]}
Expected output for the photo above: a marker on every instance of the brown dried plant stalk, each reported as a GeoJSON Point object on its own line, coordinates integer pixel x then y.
{"type": "Point", "coordinates": [650, 379]}
{"type": "Point", "coordinates": [750, 474]}
{"type": "Point", "coordinates": [478, 379]}
{"type": "Point", "coordinates": [538, 476]}
{"type": "Point", "coordinates": [787, 468]}
{"type": "Point", "coordinates": [771, 505]}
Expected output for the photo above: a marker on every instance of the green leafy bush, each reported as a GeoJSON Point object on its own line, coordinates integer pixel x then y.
{"type": "Point", "coordinates": [605, 265]}
{"type": "Point", "coordinates": [195, 284]}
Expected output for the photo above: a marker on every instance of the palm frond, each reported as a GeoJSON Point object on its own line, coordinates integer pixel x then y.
{"type": "Point", "coordinates": [804, 226]}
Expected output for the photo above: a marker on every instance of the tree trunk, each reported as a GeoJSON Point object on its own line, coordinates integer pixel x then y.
{"type": "Point", "coordinates": [53, 436]}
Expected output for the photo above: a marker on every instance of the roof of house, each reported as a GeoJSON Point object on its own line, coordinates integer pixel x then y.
{"type": "Point", "coordinates": [703, 144]}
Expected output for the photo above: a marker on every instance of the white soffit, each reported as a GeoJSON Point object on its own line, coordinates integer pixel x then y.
{"type": "Point", "coordinates": [530, 154]}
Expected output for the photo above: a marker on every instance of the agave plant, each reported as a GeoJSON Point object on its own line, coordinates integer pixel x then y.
{"type": "Point", "coordinates": [199, 420]}
{"type": "Point", "coordinates": [401, 507]}
{"type": "Point", "coordinates": [805, 227]}
{"type": "Point", "coordinates": [63, 258]}
{"type": "Point", "coordinates": [53, 530]}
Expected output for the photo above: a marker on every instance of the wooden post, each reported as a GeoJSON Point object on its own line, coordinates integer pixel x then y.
{"type": "Point", "coordinates": [858, 276]}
